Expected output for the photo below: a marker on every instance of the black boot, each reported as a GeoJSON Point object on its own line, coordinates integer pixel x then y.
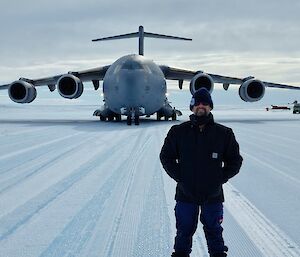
{"type": "Point", "coordinates": [222, 254]}
{"type": "Point", "coordinates": [178, 254]}
{"type": "Point", "coordinates": [218, 255]}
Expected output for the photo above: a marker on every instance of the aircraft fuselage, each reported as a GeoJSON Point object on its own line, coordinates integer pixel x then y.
{"type": "Point", "coordinates": [134, 83]}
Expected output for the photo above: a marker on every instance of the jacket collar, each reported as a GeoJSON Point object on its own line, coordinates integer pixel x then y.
{"type": "Point", "coordinates": [207, 121]}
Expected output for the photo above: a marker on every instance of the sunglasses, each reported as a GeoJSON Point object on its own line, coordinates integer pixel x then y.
{"type": "Point", "coordinates": [203, 103]}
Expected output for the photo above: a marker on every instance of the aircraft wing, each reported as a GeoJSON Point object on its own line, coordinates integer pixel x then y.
{"type": "Point", "coordinates": [2, 87]}
{"type": "Point", "coordinates": [95, 74]}
{"type": "Point", "coordinates": [275, 85]}
{"type": "Point", "coordinates": [181, 74]}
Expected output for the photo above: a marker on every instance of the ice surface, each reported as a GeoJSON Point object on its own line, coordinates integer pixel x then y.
{"type": "Point", "coordinates": [71, 185]}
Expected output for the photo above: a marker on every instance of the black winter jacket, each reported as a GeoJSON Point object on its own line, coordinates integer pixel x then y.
{"type": "Point", "coordinates": [200, 161]}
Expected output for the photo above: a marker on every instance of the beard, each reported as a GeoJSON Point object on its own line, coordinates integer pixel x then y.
{"type": "Point", "coordinates": [201, 120]}
{"type": "Point", "coordinates": [201, 112]}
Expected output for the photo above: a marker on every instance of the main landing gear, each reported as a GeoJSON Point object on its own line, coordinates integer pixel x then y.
{"type": "Point", "coordinates": [116, 117]}
{"type": "Point", "coordinates": [159, 116]}
{"type": "Point", "coordinates": [107, 115]}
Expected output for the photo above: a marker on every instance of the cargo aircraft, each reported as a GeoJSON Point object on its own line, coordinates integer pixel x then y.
{"type": "Point", "coordinates": [135, 86]}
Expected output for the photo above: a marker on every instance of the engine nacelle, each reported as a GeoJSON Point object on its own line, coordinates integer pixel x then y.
{"type": "Point", "coordinates": [69, 86]}
{"type": "Point", "coordinates": [201, 80]}
{"type": "Point", "coordinates": [21, 92]}
{"type": "Point", "coordinates": [252, 90]}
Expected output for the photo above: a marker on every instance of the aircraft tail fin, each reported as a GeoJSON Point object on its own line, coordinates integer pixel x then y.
{"type": "Point", "coordinates": [141, 35]}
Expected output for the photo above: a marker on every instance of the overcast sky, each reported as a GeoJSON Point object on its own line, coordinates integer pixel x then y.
{"type": "Point", "coordinates": [234, 37]}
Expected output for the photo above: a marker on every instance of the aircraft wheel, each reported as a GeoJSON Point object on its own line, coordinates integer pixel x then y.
{"type": "Point", "coordinates": [166, 118]}
{"type": "Point", "coordinates": [158, 117]}
{"type": "Point", "coordinates": [129, 121]}
{"type": "Point", "coordinates": [102, 118]}
{"type": "Point", "coordinates": [118, 117]}
{"type": "Point", "coordinates": [110, 118]}
{"type": "Point", "coordinates": [174, 116]}
{"type": "Point", "coordinates": [137, 120]}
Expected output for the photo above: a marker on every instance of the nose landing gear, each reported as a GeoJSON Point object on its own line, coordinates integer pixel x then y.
{"type": "Point", "coordinates": [137, 120]}
{"type": "Point", "coordinates": [133, 116]}
{"type": "Point", "coordinates": [129, 120]}
{"type": "Point", "coordinates": [168, 114]}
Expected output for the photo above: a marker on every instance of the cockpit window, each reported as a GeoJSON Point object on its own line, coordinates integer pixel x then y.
{"type": "Point", "coordinates": [131, 65]}
{"type": "Point", "coordinates": [117, 68]}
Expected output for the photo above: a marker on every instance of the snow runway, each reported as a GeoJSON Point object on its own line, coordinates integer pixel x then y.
{"type": "Point", "coordinates": [73, 186]}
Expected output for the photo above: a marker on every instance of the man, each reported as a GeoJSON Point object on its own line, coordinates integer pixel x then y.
{"type": "Point", "coordinates": [200, 155]}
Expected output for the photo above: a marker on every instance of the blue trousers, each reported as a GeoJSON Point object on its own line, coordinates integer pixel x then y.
{"type": "Point", "coordinates": [211, 218]}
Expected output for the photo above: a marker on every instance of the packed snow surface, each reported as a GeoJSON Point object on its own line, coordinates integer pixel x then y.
{"type": "Point", "coordinates": [71, 185]}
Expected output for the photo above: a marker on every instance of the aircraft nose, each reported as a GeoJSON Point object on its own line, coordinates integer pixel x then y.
{"type": "Point", "coordinates": [132, 85]}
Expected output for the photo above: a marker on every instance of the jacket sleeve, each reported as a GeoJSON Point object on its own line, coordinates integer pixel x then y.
{"type": "Point", "coordinates": [169, 156]}
{"type": "Point", "coordinates": [232, 158]}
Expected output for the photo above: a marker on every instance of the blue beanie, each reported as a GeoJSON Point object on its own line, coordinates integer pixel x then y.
{"type": "Point", "coordinates": [202, 95]}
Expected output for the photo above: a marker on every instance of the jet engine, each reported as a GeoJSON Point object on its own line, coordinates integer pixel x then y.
{"type": "Point", "coordinates": [201, 80]}
{"type": "Point", "coordinates": [252, 90]}
{"type": "Point", "coordinates": [69, 86]}
{"type": "Point", "coordinates": [21, 92]}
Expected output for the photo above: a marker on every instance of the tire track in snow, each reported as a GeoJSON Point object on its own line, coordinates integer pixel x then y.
{"type": "Point", "coordinates": [80, 230]}
{"type": "Point", "coordinates": [124, 228]}
{"type": "Point", "coordinates": [119, 234]}
{"type": "Point", "coordinates": [109, 227]}
{"type": "Point", "coordinates": [236, 239]}
{"type": "Point", "coordinates": [14, 141]}
{"type": "Point", "coordinates": [16, 164]}
{"type": "Point", "coordinates": [35, 185]}
{"type": "Point", "coordinates": [41, 164]}
{"type": "Point", "coordinates": [34, 147]}
{"type": "Point", "coordinates": [268, 238]}
{"type": "Point", "coordinates": [169, 190]}
{"type": "Point", "coordinates": [21, 131]}
{"type": "Point", "coordinates": [269, 148]}
{"type": "Point", "coordinates": [153, 230]}
{"type": "Point", "coordinates": [270, 166]}
{"type": "Point", "coordinates": [12, 221]}
{"type": "Point", "coordinates": [268, 134]}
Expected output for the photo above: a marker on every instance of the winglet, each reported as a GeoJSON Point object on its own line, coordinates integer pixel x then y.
{"type": "Point", "coordinates": [141, 34]}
